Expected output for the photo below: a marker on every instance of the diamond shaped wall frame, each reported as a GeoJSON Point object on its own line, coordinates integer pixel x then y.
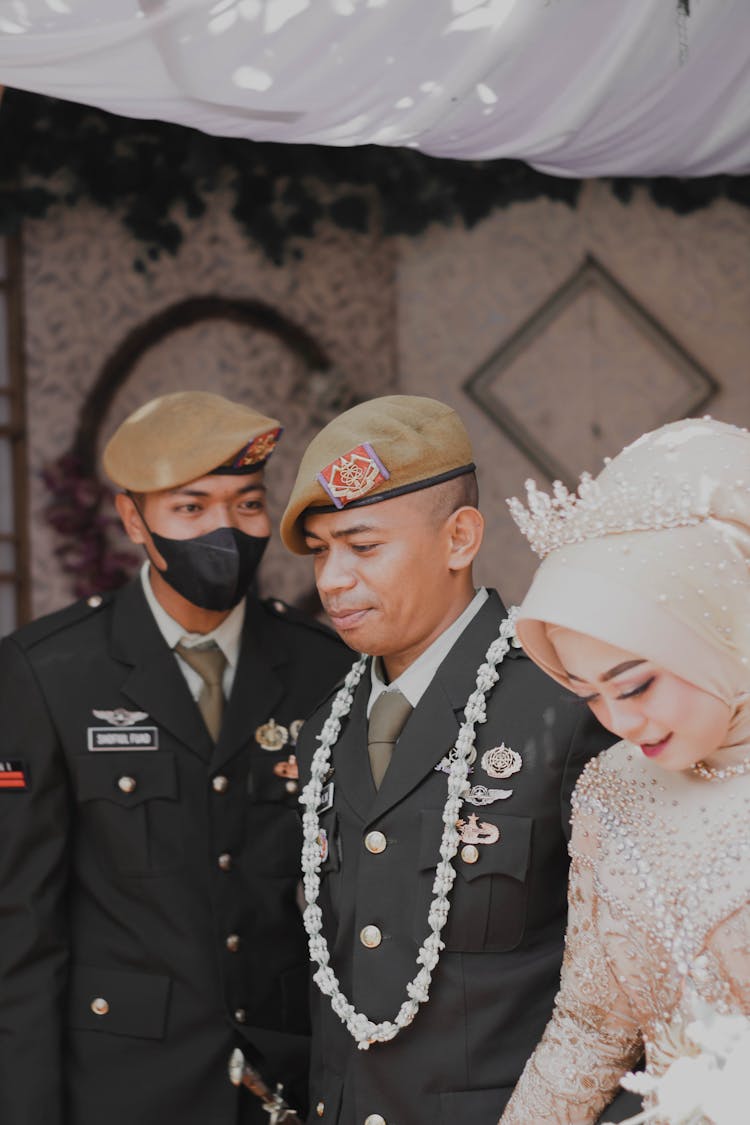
{"type": "Point", "coordinates": [519, 387]}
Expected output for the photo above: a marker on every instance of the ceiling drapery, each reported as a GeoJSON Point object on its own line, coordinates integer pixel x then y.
{"type": "Point", "coordinates": [573, 87]}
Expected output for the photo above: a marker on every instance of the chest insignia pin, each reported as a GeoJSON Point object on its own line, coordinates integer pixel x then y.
{"type": "Point", "coordinates": [272, 736]}
{"type": "Point", "coordinates": [294, 728]}
{"type": "Point", "coordinates": [472, 831]}
{"type": "Point", "coordinates": [288, 769]}
{"type": "Point", "coordinates": [481, 795]}
{"type": "Point", "coordinates": [322, 841]}
{"type": "Point", "coordinates": [501, 761]}
{"type": "Point", "coordinates": [120, 717]}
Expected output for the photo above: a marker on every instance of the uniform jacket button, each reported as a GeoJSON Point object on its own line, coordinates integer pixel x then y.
{"type": "Point", "coordinates": [320, 1108]}
{"type": "Point", "coordinates": [233, 942]}
{"type": "Point", "coordinates": [371, 937]}
{"type": "Point", "coordinates": [375, 842]}
{"type": "Point", "coordinates": [470, 853]}
{"type": "Point", "coordinates": [94, 601]}
{"type": "Point", "coordinates": [240, 1015]}
{"type": "Point", "coordinates": [291, 786]}
{"type": "Point", "coordinates": [99, 1007]}
{"type": "Point", "coordinates": [220, 783]}
{"type": "Point", "coordinates": [375, 1119]}
{"type": "Point", "coordinates": [127, 784]}
{"type": "Point", "coordinates": [225, 861]}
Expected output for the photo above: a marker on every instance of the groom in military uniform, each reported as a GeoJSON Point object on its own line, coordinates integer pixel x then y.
{"type": "Point", "coordinates": [148, 803]}
{"type": "Point", "coordinates": [386, 503]}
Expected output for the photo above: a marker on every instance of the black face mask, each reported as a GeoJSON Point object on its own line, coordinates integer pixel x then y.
{"type": "Point", "coordinates": [212, 571]}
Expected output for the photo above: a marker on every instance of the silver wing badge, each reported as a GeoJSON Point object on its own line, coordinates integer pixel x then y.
{"type": "Point", "coordinates": [120, 717]}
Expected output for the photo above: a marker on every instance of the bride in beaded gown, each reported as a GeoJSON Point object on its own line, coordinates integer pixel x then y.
{"type": "Point", "coordinates": [641, 606]}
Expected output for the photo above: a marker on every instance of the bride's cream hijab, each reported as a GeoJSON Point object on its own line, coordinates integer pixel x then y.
{"type": "Point", "coordinates": [676, 595]}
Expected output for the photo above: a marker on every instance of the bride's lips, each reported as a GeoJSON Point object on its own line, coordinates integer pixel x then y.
{"type": "Point", "coordinates": [344, 619]}
{"type": "Point", "coordinates": [652, 749]}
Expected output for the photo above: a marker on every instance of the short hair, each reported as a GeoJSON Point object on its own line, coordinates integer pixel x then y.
{"type": "Point", "coordinates": [448, 497]}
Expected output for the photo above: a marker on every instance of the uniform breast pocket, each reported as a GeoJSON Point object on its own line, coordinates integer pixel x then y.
{"type": "Point", "coordinates": [128, 809]}
{"type": "Point", "coordinates": [489, 895]}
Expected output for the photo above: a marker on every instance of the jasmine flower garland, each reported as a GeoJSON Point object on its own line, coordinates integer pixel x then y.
{"type": "Point", "coordinates": [360, 1027]}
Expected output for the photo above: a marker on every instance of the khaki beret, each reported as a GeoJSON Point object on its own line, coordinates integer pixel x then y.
{"type": "Point", "coordinates": [179, 437]}
{"type": "Point", "coordinates": [373, 452]}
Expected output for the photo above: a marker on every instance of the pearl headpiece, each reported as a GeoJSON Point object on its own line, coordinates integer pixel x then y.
{"type": "Point", "coordinates": [593, 511]}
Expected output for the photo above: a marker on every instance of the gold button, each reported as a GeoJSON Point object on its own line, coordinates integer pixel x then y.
{"type": "Point", "coordinates": [233, 942]}
{"type": "Point", "coordinates": [291, 786]}
{"type": "Point", "coordinates": [320, 1108]}
{"type": "Point", "coordinates": [99, 1007]}
{"type": "Point", "coordinates": [225, 861]}
{"type": "Point", "coordinates": [375, 1119]}
{"type": "Point", "coordinates": [127, 784]}
{"type": "Point", "coordinates": [94, 601]}
{"type": "Point", "coordinates": [220, 784]}
{"type": "Point", "coordinates": [240, 1015]}
{"type": "Point", "coordinates": [470, 853]}
{"type": "Point", "coordinates": [371, 937]}
{"type": "Point", "coordinates": [375, 842]}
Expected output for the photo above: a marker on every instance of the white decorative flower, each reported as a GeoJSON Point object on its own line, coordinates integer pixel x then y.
{"type": "Point", "coordinates": [708, 1080]}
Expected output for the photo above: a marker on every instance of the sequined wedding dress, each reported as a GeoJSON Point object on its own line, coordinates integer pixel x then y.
{"type": "Point", "coordinates": [659, 911]}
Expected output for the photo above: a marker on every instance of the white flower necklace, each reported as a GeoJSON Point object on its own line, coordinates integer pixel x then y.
{"type": "Point", "coordinates": [360, 1027]}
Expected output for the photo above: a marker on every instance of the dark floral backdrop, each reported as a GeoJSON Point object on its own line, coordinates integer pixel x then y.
{"type": "Point", "coordinates": [54, 151]}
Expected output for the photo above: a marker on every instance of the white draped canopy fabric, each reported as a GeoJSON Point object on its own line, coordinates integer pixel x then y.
{"type": "Point", "coordinates": [573, 87]}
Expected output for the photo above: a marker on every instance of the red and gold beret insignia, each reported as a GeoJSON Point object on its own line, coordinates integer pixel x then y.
{"type": "Point", "coordinates": [353, 475]}
{"type": "Point", "coordinates": [257, 450]}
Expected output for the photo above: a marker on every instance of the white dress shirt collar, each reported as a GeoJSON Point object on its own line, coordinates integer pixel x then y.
{"type": "Point", "coordinates": [414, 681]}
{"type": "Point", "coordinates": [227, 635]}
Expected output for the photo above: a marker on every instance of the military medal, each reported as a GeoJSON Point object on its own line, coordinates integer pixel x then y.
{"type": "Point", "coordinates": [501, 761]}
{"type": "Point", "coordinates": [472, 831]}
{"type": "Point", "coordinates": [481, 795]}
{"type": "Point", "coordinates": [120, 717]}
{"type": "Point", "coordinates": [294, 728]}
{"type": "Point", "coordinates": [272, 736]}
{"type": "Point", "coordinates": [288, 769]}
{"type": "Point", "coordinates": [322, 841]}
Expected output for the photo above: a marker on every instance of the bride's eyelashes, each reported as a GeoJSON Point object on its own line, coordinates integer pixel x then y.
{"type": "Point", "coordinates": [641, 689]}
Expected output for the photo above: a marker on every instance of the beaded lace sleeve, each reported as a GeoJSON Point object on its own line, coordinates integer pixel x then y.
{"type": "Point", "coordinates": [592, 1038]}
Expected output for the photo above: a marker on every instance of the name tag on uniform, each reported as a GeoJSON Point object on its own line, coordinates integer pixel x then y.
{"type": "Point", "coordinates": [326, 798]}
{"type": "Point", "coordinates": [123, 738]}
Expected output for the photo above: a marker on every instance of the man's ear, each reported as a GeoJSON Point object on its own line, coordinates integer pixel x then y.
{"type": "Point", "coordinates": [131, 518]}
{"type": "Point", "coordinates": [466, 531]}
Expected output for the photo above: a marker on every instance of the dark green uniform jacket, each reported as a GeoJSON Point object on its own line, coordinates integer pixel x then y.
{"type": "Point", "coordinates": [493, 989]}
{"type": "Point", "coordinates": [133, 958]}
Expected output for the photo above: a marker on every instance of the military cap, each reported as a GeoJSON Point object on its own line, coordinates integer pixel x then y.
{"type": "Point", "coordinates": [180, 437]}
{"type": "Point", "coordinates": [373, 452]}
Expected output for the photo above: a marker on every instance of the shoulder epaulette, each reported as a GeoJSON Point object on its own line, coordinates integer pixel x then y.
{"type": "Point", "coordinates": [285, 612]}
{"type": "Point", "coordinates": [29, 635]}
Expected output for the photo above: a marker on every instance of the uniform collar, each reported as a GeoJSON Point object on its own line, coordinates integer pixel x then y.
{"type": "Point", "coordinates": [227, 635]}
{"type": "Point", "coordinates": [414, 681]}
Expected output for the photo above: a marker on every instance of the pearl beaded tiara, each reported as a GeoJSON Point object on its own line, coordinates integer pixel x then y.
{"type": "Point", "coordinates": [593, 511]}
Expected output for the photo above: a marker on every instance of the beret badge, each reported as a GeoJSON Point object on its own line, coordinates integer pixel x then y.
{"type": "Point", "coordinates": [258, 450]}
{"type": "Point", "coordinates": [352, 475]}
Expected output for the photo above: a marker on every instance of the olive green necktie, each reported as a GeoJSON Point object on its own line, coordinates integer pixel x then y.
{"type": "Point", "coordinates": [209, 662]}
{"type": "Point", "coordinates": [387, 718]}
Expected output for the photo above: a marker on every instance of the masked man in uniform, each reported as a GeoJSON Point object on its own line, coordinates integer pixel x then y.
{"type": "Point", "coordinates": [403, 882]}
{"type": "Point", "coordinates": [148, 802]}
